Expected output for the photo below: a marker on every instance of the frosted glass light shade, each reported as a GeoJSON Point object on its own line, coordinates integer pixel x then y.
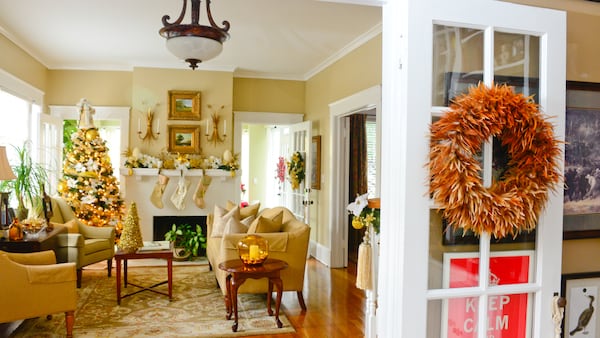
{"type": "Point", "coordinates": [6, 172]}
{"type": "Point", "coordinates": [194, 47]}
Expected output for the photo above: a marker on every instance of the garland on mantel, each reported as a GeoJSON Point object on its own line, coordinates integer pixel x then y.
{"type": "Point", "coordinates": [513, 202]}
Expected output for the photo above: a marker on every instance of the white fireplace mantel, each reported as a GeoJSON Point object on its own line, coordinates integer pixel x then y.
{"type": "Point", "coordinates": [138, 187]}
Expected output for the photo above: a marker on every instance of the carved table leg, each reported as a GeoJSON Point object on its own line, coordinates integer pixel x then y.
{"type": "Point", "coordinates": [228, 297]}
{"type": "Point", "coordinates": [269, 296]}
{"type": "Point", "coordinates": [279, 285]}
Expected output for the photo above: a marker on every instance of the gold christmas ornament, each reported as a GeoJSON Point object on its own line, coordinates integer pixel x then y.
{"type": "Point", "coordinates": [91, 134]}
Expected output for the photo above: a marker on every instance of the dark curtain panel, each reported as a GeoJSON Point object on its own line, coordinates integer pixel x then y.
{"type": "Point", "coordinates": [358, 177]}
{"type": "Point", "coordinates": [358, 156]}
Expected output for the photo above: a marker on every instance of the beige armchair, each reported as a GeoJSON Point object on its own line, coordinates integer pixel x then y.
{"type": "Point", "coordinates": [289, 245]}
{"type": "Point", "coordinates": [84, 244]}
{"type": "Point", "coordinates": [34, 285]}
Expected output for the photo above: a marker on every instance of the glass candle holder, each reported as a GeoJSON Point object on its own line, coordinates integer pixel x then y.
{"type": "Point", "coordinates": [253, 250]}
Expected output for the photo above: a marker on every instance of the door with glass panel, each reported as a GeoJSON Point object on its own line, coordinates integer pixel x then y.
{"type": "Point", "coordinates": [486, 286]}
{"type": "Point", "coordinates": [476, 286]}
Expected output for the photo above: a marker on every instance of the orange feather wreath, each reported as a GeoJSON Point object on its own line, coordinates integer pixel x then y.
{"type": "Point", "coordinates": [513, 203]}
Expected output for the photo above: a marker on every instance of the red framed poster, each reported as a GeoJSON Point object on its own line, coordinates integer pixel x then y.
{"type": "Point", "coordinates": [508, 315]}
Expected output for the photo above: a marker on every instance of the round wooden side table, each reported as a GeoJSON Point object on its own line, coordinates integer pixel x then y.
{"type": "Point", "coordinates": [237, 275]}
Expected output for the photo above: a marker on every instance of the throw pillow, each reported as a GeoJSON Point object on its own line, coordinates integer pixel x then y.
{"type": "Point", "coordinates": [245, 212]}
{"type": "Point", "coordinates": [221, 216]}
{"type": "Point", "coordinates": [72, 226]}
{"type": "Point", "coordinates": [265, 224]}
{"type": "Point", "coordinates": [235, 226]}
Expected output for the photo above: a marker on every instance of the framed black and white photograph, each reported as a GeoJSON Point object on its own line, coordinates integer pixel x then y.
{"type": "Point", "coordinates": [581, 313]}
{"type": "Point", "coordinates": [582, 161]}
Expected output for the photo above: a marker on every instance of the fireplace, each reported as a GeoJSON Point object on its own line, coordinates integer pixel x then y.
{"type": "Point", "coordinates": [162, 224]}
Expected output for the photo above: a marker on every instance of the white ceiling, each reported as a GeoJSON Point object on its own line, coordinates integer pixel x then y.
{"type": "Point", "coordinates": [286, 39]}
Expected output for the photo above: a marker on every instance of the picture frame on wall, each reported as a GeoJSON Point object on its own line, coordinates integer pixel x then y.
{"type": "Point", "coordinates": [184, 105]}
{"type": "Point", "coordinates": [581, 290]}
{"type": "Point", "coordinates": [184, 139]}
{"type": "Point", "coordinates": [315, 159]}
{"type": "Point", "coordinates": [581, 210]}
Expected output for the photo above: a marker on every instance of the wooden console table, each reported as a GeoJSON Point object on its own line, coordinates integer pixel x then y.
{"type": "Point", "coordinates": [124, 256]}
{"type": "Point", "coordinates": [238, 273]}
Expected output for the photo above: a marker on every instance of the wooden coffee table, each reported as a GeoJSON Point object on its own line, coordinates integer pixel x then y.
{"type": "Point", "coordinates": [238, 273]}
{"type": "Point", "coordinates": [142, 254]}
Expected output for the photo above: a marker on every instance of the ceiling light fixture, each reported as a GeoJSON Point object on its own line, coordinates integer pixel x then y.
{"type": "Point", "coordinates": [194, 43]}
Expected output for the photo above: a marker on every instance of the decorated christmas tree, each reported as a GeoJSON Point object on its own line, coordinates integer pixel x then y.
{"type": "Point", "coordinates": [131, 238]}
{"type": "Point", "coordinates": [88, 183]}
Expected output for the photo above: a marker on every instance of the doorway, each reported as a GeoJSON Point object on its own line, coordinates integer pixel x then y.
{"type": "Point", "coordinates": [366, 100]}
{"type": "Point", "coordinates": [253, 133]}
{"type": "Point", "coordinates": [361, 167]}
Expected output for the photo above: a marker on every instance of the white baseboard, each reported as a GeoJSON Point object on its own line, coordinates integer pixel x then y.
{"type": "Point", "coordinates": [320, 252]}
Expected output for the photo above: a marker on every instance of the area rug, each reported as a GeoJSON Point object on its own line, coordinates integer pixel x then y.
{"type": "Point", "coordinates": [197, 309]}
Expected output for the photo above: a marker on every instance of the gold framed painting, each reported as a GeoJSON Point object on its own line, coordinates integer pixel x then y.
{"type": "Point", "coordinates": [184, 139]}
{"type": "Point", "coordinates": [184, 105]}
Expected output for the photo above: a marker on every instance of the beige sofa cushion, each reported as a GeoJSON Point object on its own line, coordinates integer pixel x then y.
{"type": "Point", "coordinates": [235, 226]}
{"type": "Point", "coordinates": [267, 223]}
{"type": "Point", "coordinates": [221, 217]}
{"type": "Point", "coordinates": [72, 226]}
{"type": "Point", "coordinates": [250, 210]}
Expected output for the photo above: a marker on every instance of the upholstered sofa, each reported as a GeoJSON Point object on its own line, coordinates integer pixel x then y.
{"type": "Point", "coordinates": [84, 244]}
{"type": "Point", "coordinates": [33, 285]}
{"type": "Point", "coordinates": [290, 244]}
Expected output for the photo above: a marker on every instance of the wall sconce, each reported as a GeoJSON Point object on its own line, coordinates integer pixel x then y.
{"type": "Point", "coordinates": [213, 136]}
{"type": "Point", "coordinates": [148, 135]}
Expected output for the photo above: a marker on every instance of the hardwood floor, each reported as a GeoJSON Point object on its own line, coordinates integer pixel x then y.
{"type": "Point", "coordinates": [335, 306]}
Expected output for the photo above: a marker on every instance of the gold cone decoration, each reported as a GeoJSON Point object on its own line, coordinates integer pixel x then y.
{"type": "Point", "coordinates": [131, 238]}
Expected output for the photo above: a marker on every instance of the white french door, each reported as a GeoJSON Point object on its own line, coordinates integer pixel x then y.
{"type": "Point", "coordinates": [298, 139]}
{"type": "Point", "coordinates": [433, 50]}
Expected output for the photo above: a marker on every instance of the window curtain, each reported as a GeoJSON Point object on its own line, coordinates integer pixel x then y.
{"type": "Point", "coordinates": [358, 156]}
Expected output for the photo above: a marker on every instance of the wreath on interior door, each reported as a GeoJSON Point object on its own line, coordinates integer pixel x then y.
{"type": "Point", "coordinates": [513, 202]}
{"type": "Point", "coordinates": [296, 170]}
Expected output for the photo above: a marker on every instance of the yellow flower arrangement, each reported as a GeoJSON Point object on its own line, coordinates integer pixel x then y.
{"type": "Point", "coordinates": [363, 216]}
{"type": "Point", "coordinates": [296, 170]}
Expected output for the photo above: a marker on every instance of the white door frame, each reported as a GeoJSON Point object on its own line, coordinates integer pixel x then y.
{"type": "Point", "coordinates": [407, 62]}
{"type": "Point", "coordinates": [369, 98]}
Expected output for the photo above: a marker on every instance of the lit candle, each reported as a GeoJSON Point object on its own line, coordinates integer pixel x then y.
{"type": "Point", "coordinates": [207, 122]}
{"type": "Point", "coordinates": [139, 125]}
{"type": "Point", "coordinates": [157, 125]}
{"type": "Point", "coordinates": [253, 254]}
{"type": "Point", "coordinates": [224, 127]}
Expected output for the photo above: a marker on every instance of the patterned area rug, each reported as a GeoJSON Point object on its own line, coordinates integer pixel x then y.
{"type": "Point", "coordinates": [197, 309]}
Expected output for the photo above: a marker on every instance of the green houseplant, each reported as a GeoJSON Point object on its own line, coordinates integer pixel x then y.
{"type": "Point", "coordinates": [185, 241]}
{"type": "Point", "coordinates": [29, 184]}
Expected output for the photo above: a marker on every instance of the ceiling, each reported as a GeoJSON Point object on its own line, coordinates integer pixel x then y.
{"type": "Point", "coordinates": [283, 39]}
{"type": "Point", "coordinates": [286, 39]}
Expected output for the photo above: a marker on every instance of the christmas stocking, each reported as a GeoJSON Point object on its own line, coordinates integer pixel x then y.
{"type": "Point", "coordinates": [178, 197]}
{"type": "Point", "coordinates": [159, 190]}
{"type": "Point", "coordinates": [201, 190]}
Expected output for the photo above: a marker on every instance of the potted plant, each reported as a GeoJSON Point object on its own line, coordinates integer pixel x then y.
{"type": "Point", "coordinates": [29, 184]}
{"type": "Point", "coordinates": [185, 242]}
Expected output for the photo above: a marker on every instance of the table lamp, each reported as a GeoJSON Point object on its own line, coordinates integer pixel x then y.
{"type": "Point", "coordinates": [6, 174]}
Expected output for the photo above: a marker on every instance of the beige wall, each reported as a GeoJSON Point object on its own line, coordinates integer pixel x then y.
{"type": "Point", "coordinates": [359, 70]}
{"type": "Point", "coordinates": [101, 88]}
{"type": "Point", "coordinates": [17, 62]}
{"type": "Point", "coordinates": [263, 95]}
{"type": "Point", "coordinates": [151, 85]}
{"type": "Point", "coordinates": [583, 48]}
